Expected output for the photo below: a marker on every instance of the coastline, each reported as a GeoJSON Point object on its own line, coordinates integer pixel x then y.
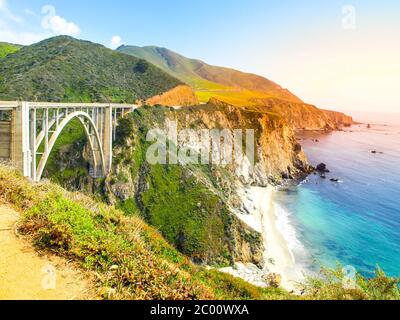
{"type": "Point", "coordinates": [278, 256]}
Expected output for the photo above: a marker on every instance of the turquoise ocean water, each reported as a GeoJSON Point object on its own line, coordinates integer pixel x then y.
{"type": "Point", "coordinates": [355, 221]}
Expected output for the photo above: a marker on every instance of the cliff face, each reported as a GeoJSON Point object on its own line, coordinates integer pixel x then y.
{"type": "Point", "coordinates": [339, 118]}
{"type": "Point", "coordinates": [181, 95]}
{"type": "Point", "coordinates": [305, 116]}
{"type": "Point", "coordinates": [195, 206]}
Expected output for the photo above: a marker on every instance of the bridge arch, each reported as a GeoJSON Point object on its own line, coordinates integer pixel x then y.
{"type": "Point", "coordinates": [94, 139]}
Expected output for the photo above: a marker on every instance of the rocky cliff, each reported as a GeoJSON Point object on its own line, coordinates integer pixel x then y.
{"type": "Point", "coordinates": [181, 95]}
{"type": "Point", "coordinates": [197, 206]}
{"type": "Point", "coordinates": [339, 118]}
{"type": "Point", "coordinates": [306, 116]}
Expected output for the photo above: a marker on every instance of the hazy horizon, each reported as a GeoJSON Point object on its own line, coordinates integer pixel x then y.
{"type": "Point", "coordinates": [338, 55]}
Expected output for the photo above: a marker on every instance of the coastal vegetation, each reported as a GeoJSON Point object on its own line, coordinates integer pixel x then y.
{"type": "Point", "coordinates": [131, 260]}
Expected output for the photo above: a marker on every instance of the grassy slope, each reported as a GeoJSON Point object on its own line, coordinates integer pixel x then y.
{"type": "Point", "coordinates": [208, 81]}
{"type": "Point", "coordinates": [131, 259]}
{"type": "Point", "coordinates": [66, 69]}
{"type": "Point", "coordinates": [7, 48]}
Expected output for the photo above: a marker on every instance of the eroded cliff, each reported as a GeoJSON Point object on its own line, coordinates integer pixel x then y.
{"type": "Point", "coordinates": [195, 206]}
{"type": "Point", "coordinates": [181, 95]}
{"type": "Point", "coordinates": [306, 116]}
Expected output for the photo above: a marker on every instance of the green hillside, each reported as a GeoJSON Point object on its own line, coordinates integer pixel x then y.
{"type": "Point", "coordinates": [7, 48]}
{"type": "Point", "coordinates": [226, 84]}
{"type": "Point", "coordinates": [69, 70]}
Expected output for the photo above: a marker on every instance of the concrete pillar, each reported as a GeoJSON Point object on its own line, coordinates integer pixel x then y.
{"type": "Point", "coordinates": [32, 141]}
{"type": "Point", "coordinates": [20, 148]}
{"type": "Point", "coordinates": [95, 168]}
{"type": "Point", "coordinates": [107, 137]}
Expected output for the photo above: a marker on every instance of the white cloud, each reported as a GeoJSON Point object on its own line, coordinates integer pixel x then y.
{"type": "Point", "coordinates": [116, 41]}
{"type": "Point", "coordinates": [14, 30]}
{"type": "Point", "coordinates": [6, 12]}
{"type": "Point", "coordinates": [56, 24]}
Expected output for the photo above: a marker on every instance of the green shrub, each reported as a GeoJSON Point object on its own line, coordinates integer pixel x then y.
{"type": "Point", "coordinates": [331, 285]}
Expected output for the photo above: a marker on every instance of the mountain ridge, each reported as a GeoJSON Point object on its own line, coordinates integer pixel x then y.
{"type": "Point", "coordinates": [66, 69]}
{"type": "Point", "coordinates": [208, 80]}
{"type": "Point", "coordinates": [239, 89]}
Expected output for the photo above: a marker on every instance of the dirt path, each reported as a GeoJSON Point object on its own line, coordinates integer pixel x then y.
{"type": "Point", "coordinates": [25, 275]}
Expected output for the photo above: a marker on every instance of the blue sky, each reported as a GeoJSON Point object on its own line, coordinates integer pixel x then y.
{"type": "Point", "coordinates": [314, 48]}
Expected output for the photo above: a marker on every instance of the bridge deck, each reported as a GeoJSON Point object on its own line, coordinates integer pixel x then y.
{"type": "Point", "coordinates": [9, 105]}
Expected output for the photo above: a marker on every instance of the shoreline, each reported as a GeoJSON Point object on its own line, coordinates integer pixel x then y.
{"type": "Point", "coordinates": [278, 257]}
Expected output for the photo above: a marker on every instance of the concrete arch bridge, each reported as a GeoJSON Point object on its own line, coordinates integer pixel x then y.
{"type": "Point", "coordinates": [29, 130]}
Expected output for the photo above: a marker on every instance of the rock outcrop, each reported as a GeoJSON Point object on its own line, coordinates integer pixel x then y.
{"type": "Point", "coordinates": [339, 118]}
{"type": "Point", "coordinates": [302, 116]}
{"type": "Point", "coordinates": [181, 95]}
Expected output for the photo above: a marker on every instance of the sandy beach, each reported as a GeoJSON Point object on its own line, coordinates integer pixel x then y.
{"type": "Point", "coordinates": [263, 218]}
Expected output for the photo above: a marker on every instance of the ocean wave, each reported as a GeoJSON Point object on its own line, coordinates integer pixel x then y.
{"type": "Point", "coordinates": [300, 255]}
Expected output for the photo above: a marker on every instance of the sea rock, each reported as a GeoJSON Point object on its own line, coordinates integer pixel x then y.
{"type": "Point", "coordinates": [322, 168]}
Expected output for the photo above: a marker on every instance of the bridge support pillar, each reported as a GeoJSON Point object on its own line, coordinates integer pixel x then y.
{"type": "Point", "coordinates": [20, 144]}
{"type": "Point", "coordinates": [108, 138]}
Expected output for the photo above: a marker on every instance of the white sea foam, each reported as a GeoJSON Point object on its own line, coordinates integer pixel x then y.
{"type": "Point", "coordinates": [298, 252]}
